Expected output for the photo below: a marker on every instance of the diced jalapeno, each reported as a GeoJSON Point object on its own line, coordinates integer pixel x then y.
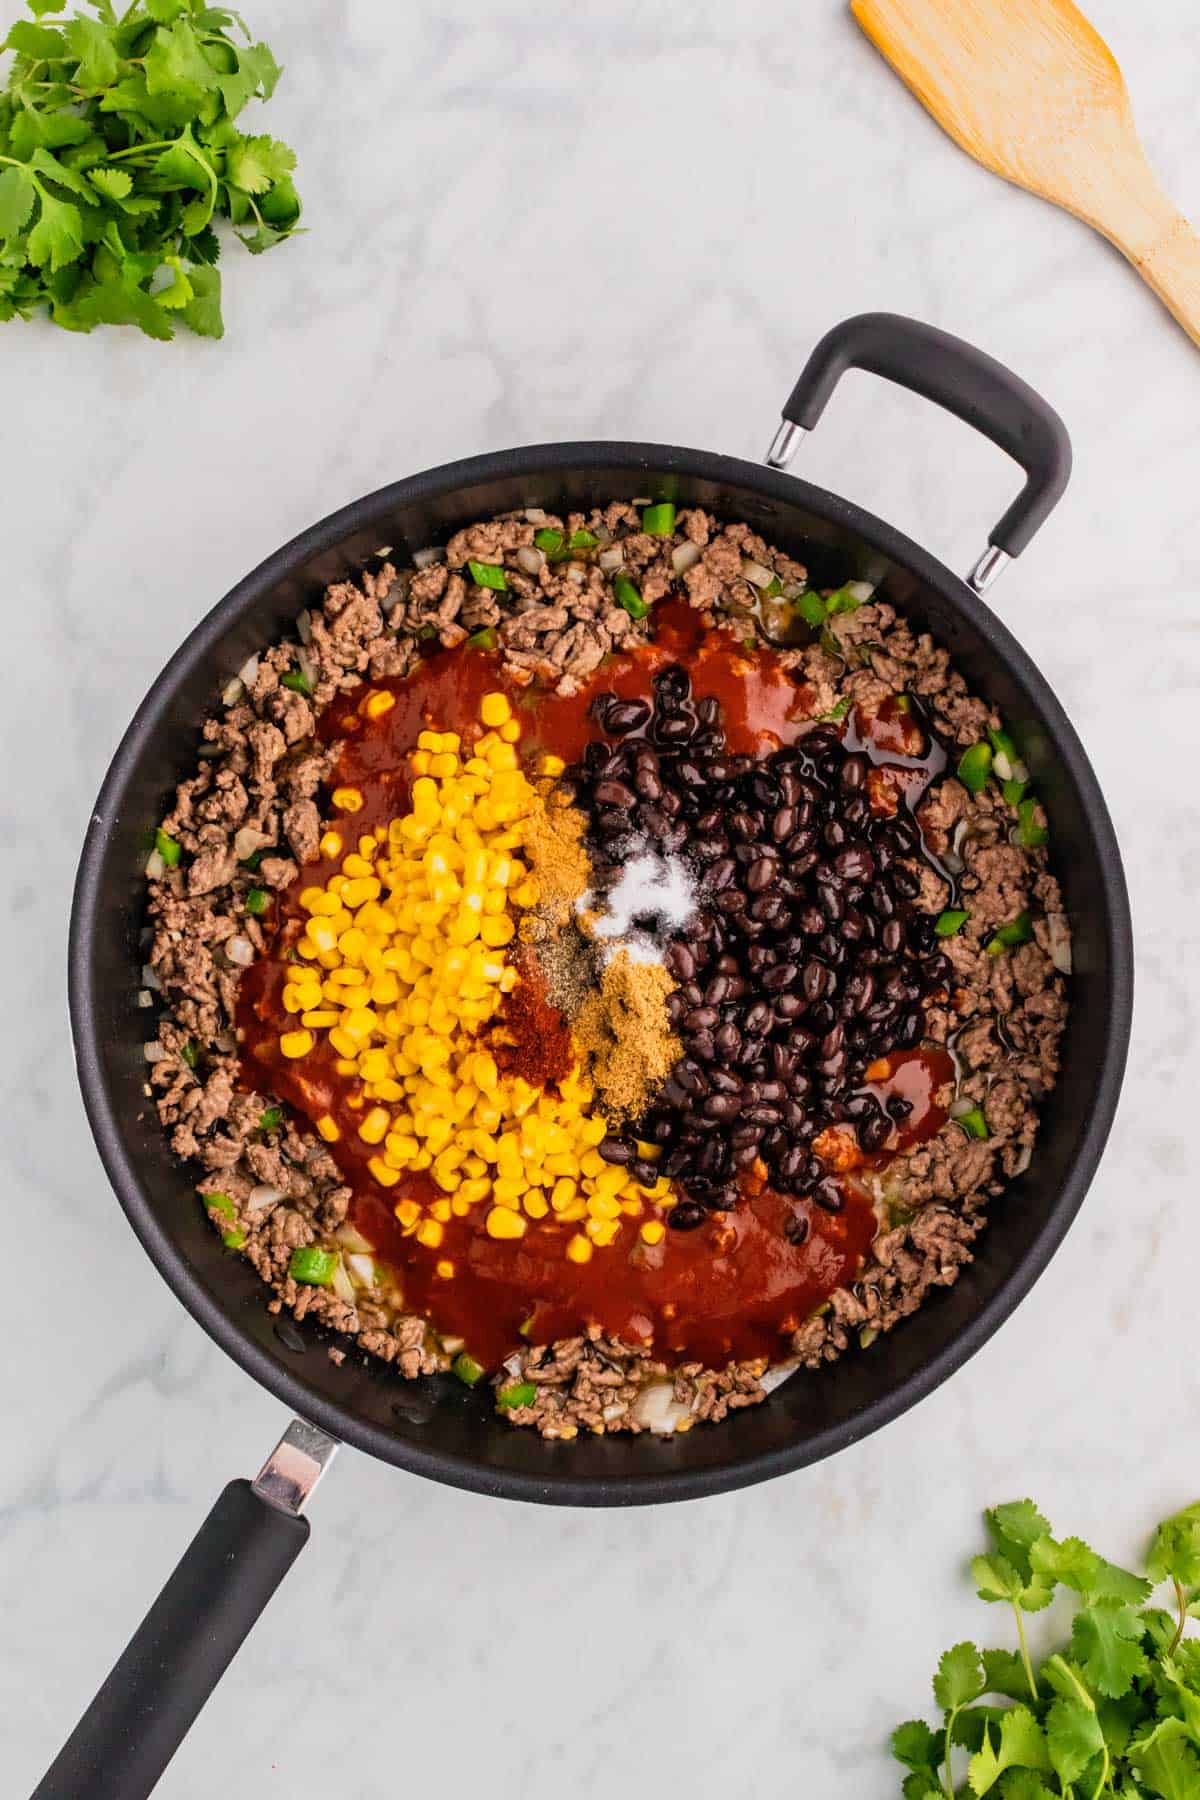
{"type": "Point", "coordinates": [627, 595]}
{"type": "Point", "coordinates": [842, 600]}
{"type": "Point", "coordinates": [772, 590]}
{"type": "Point", "coordinates": [486, 639]}
{"type": "Point", "coordinates": [583, 540]}
{"type": "Point", "coordinates": [811, 608]}
{"type": "Point", "coordinates": [252, 861]}
{"type": "Point", "coordinates": [469, 1372]}
{"type": "Point", "coordinates": [272, 1119]}
{"type": "Point", "coordinates": [313, 1266]}
{"type": "Point", "coordinates": [257, 901]}
{"type": "Point", "coordinates": [659, 521]}
{"type": "Point", "coordinates": [1030, 833]}
{"type": "Point", "coordinates": [949, 922]}
{"type": "Point", "coordinates": [1013, 791]}
{"type": "Point", "coordinates": [167, 848]}
{"type": "Point", "coordinates": [220, 1204]}
{"type": "Point", "coordinates": [190, 1053]}
{"type": "Point", "coordinates": [1007, 937]}
{"type": "Point", "coordinates": [298, 681]}
{"type": "Point", "coordinates": [522, 1393]}
{"type": "Point", "coordinates": [973, 1122]}
{"type": "Point", "coordinates": [837, 713]}
{"type": "Point", "coordinates": [233, 1240]}
{"type": "Point", "coordinates": [549, 542]}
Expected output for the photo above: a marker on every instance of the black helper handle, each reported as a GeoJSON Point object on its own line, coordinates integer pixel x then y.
{"type": "Point", "coordinates": [977, 389]}
{"type": "Point", "coordinates": [180, 1651]}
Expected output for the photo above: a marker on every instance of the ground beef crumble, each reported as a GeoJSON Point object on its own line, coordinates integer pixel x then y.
{"type": "Point", "coordinates": [255, 799]}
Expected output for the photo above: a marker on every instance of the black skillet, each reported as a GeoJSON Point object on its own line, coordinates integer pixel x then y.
{"type": "Point", "coordinates": [438, 1428]}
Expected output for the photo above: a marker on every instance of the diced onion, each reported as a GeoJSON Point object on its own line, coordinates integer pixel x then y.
{"type": "Point", "coordinates": [1002, 766]}
{"type": "Point", "coordinates": [611, 559]}
{"type": "Point", "coordinates": [384, 550]}
{"type": "Point", "coordinates": [248, 673]}
{"type": "Point", "coordinates": [1024, 1158]}
{"type": "Point", "coordinates": [612, 1412]}
{"type": "Point", "coordinates": [1058, 934]}
{"type": "Point", "coordinates": [535, 515]}
{"type": "Point", "coordinates": [225, 1042]}
{"type": "Point", "coordinates": [351, 1239]}
{"type": "Point", "coordinates": [240, 950]}
{"type": "Point", "coordinates": [259, 1198]}
{"type": "Point", "coordinates": [304, 621]}
{"type": "Point", "coordinates": [452, 1345]}
{"type": "Point", "coordinates": [425, 559]}
{"type": "Point", "coordinates": [756, 573]}
{"type": "Point", "coordinates": [576, 573]}
{"type": "Point", "coordinates": [531, 560]}
{"type": "Point", "coordinates": [153, 1052]}
{"type": "Point", "coordinates": [343, 1287]}
{"type": "Point", "coordinates": [685, 557]}
{"type": "Point", "coordinates": [602, 534]}
{"type": "Point", "coordinates": [961, 1107]}
{"type": "Point", "coordinates": [150, 978]}
{"type": "Point", "coordinates": [860, 590]}
{"type": "Point", "coordinates": [775, 1377]}
{"type": "Point", "coordinates": [641, 500]}
{"type": "Point", "coordinates": [362, 1270]}
{"type": "Point", "coordinates": [247, 841]}
{"type": "Point", "coordinates": [307, 667]}
{"type": "Point", "coordinates": [145, 997]}
{"type": "Point", "coordinates": [233, 692]}
{"type": "Point", "coordinates": [656, 1408]}
{"type": "Point", "coordinates": [513, 1365]}
{"type": "Point", "coordinates": [156, 868]}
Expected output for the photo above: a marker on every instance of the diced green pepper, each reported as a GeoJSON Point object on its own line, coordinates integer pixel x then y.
{"type": "Point", "coordinates": [487, 639]}
{"type": "Point", "coordinates": [488, 575]}
{"type": "Point", "coordinates": [298, 681]}
{"type": "Point", "coordinates": [549, 542]}
{"type": "Point", "coordinates": [974, 767]}
{"type": "Point", "coordinates": [272, 1119]}
{"type": "Point", "coordinates": [257, 901]}
{"type": "Point", "coordinates": [233, 1240]}
{"type": "Point", "coordinates": [1003, 745]}
{"type": "Point", "coordinates": [1013, 791]}
{"type": "Point", "coordinates": [469, 1372]}
{"type": "Point", "coordinates": [903, 703]}
{"type": "Point", "coordinates": [1007, 937]}
{"type": "Point", "coordinates": [313, 1266]}
{"type": "Point", "coordinates": [583, 540]}
{"type": "Point", "coordinates": [949, 922]}
{"type": "Point", "coordinates": [167, 848]}
{"type": "Point", "coordinates": [973, 1122]}
{"type": "Point", "coordinates": [841, 601]}
{"type": "Point", "coordinates": [627, 595]}
{"type": "Point", "coordinates": [837, 713]}
{"type": "Point", "coordinates": [659, 521]}
{"type": "Point", "coordinates": [773, 589]}
{"type": "Point", "coordinates": [220, 1204]}
{"type": "Point", "coordinates": [811, 608]}
{"type": "Point", "coordinates": [522, 1393]}
{"type": "Point", "coordinates": [190, 1053]}
{"type": "Point", "coordinates": [1029, 832]}
{"type": "Point", "coordinates": [252, 861]}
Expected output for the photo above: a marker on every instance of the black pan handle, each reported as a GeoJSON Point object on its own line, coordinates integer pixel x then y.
{"type": "Point", "coordinates": [972, 386]}
{"type": "Point", "coordinates": [191, 1634]}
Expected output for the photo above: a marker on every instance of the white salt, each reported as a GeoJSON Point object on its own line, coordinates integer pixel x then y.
{"type": "Point", "coordinates": [655, 898]}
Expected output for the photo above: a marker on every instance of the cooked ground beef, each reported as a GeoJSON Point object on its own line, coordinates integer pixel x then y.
{"type": "Point", "coordinates": [251, 815]}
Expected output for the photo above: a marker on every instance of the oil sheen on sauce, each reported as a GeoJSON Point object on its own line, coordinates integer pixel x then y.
{"type": "Point", "coordinates": [736, 1286]}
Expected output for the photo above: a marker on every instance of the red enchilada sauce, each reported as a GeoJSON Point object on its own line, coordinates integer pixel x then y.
{"type": "Point", "coordinates": [736, 1286]}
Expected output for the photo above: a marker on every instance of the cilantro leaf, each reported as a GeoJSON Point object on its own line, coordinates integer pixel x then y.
{"type": "Point", "coordinates": [1022, 1744]}
{"type": "Point", "coordinates": [256, 163]}
{"type": "Point", "coordinates": [1005, 1674]}
{"type": "Point", "coordinates": [1167, 1763]}
{"type": "Point", "coordinates": [202, 314]}
{"type": "Point", "coordinates": [1023, 1784]}
{"type": "Point", "coordinates": [914, 1745]}
{"type": "Point", "coordinates": [1015, 1527]}
{"type": "Point", "coordinates": [17, 195]}
{"type": "Point", "coordinates": [1077, 1566]}
{"type": "Point", "coordinates": [88, 40]}
{"type": "Point", "coordinates": [39, 8]}
{"type": "Point", "coordinates": [57, 238]}
{"type": "Point", "coordinates": [1106, 1642]}
{"type": "Point", "coordinates": [112, 184]}
{"type": "Point", "coordinates": [1073, 1737]}
{"type": "Point", "coordinates": [997, 1579]}
{"type": "Point", "coordinates": [176, 64]}
{"type": "Point", "coordinates": [1175, 1552]}
{"type": "Point", "coordinates": [41, 43]}
{"type": "Point", "coordinates": [166, 10]}
{"type": "Point", "coordinates": [959, 1679]}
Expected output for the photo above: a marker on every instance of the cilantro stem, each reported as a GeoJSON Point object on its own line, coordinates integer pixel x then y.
{"type": "Point", "coordinates": [1104, 1774]}
{"type": "Point", "coordinates": [948, 1773]}
{"type": "Point", "coordinates": [1181, 1602]}
{"type": "Point", "coordinates": [1019, 1616]}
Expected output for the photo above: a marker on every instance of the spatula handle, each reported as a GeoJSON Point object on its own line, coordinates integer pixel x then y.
{"type": "Point", "coordinates": [1147, 227]}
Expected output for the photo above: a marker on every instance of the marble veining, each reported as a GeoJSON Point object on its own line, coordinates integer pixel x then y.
{"type": "Point", "coordinates": [619, 220]}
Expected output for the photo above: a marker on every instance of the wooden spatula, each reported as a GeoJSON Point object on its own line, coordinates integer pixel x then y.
{"type": "Point", "coordinates": [1031, 90]}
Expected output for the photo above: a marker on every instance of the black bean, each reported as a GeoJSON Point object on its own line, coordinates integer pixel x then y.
{"type": "Point", "coordinates": [827, 1195]}
{"type": "Point", "coordinates": [760, 874]}
{"type": "Point", "coordinates": [626, 715]}
{"type": "Point", "coordinates": [618, 1149]}
{"type": "Point", "coordinates": [780, 977]}
{"type": "Point", "coordinates": [873, 1133]}
{"type": "Point", "coordinates": [680, 962]}
{"type": "Point", "coordinates": [722, 1106]}
{"type": "Point", "coordinates": [795, 1228]}
{"type": "Point", "coordinates": [700, 1018]}
{"type": "Point", "coordinates": [686, 1215]}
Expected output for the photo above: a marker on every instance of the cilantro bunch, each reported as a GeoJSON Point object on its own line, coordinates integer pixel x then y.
{"type": "Point", "coordinates": [118, 150]}
{"type": "Point", "coordinates": [1115, 1713]}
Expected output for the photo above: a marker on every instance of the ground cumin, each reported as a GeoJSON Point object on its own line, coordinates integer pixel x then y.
{"type": "Point", "coordinates": [553, 849]}
{"type": "Point", "coordinates": [623, 1038]}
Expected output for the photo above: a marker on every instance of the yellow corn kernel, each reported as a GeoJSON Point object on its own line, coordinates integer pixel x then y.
{"type": "Point", "coordinates": [430, 1232]}
{"type": "Point", "coordinates": [551, 765]}
{"type": "Point", "coordinates": [355, 865]}
{"type": "Point", "coordinates": [602, 1231]}
{"type": "Point", "coordinates": [384, 1175]}
{"type": "Point", "coordinates": [535, 1203]}
{"type": "Point", "coordinates": [440, 1210]}
{"type": "Point", "coordinates": [494, 709]}
{"type": "Point", "coordinates": [377, 703]}
{"type": "Point", "coordinates": [653, 1231]}
{"type": "Point", "coordinates": [647, 1152]}
{"type": "Point", "coordinates": [510, 731]}
{"type": "Point", "coordinates": [498, 931]}
{"type": "Point", "coordinates": [329, 1129]}
{"type": "Point", "coordinates": [603, 1206]}
{"type": "Point", "coordinates": [408, 1212]}
{"type": "Point", "coordinates": [374, 1127]}
{"type": "Point", "coordinates": [320, 1019]}
{"type": "Point", "coordinates": [348, 799]}
{"type": "Point", "coordinates": [593, 1131]}
{"type": "Point", "coordinates": [295, 1044]}
{"type": "Point", "coordinates": [579, 1249]}
{"type": "Point", "coordinates": [473, 1191]}
{"type": "Point", "coordinates": [503, 1223]}
{"type": "Point", "coordinates": [445, 1269]}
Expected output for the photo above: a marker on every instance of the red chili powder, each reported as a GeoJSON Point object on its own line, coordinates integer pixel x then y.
{"type": "Point", "coordinates": [540, 1050]}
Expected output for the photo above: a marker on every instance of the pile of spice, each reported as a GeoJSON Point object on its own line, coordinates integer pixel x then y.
{"type": "Point", "coordinates": [624, 1037]}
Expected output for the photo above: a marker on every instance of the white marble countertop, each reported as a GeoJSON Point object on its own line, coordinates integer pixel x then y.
{"type": "Point", "coordinates": [615, 220]}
